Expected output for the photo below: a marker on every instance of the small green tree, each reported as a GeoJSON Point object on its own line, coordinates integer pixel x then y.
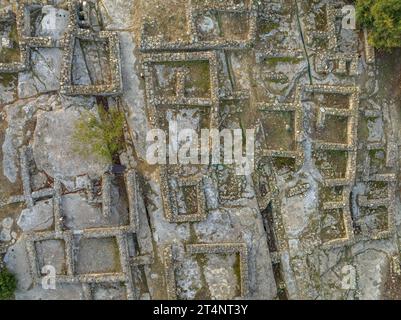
{"type": "Point", "coordinates": [8, 284]}
{"type": "Point", "coordinates": [101, 135]}
{"type": "Point", "coordinates": [383, 19]}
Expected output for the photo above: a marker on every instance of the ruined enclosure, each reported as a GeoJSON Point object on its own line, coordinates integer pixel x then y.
{"type": "Point", "coordinates": [212, 25]}
{"type": "Point", "coordinates": [190, 79]}
{"type": "Point", "coordinates": [332, 164]}
{"type": "Point", "coordinates": [210, 271]}
{"type": "Point", "coordinates": [88, 258]}
{"type": "Point", "coordinates": [185, 115]}
{"type": "Point", "coordinates": [168, 22]}
{"type": "Point", "coordinates": [206, 264]}
{"type": "Point", "coordinates": [184, 197]}
{"type": "Point", "coordinates": [99, 71]}
{"type": "Point", "coordinates": [323, 193]}
{"type": "Point", "coordinates": [198, 25]}
{"type": "Point", "coordinates": [332, 224]}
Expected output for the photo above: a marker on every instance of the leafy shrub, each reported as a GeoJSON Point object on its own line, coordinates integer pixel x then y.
{"type": "Point", "coordinates": [383, 19]}
{"type": "Point", "coordinates": [8, 284]}
{"type": "Point", "coordinates": [101, 135]}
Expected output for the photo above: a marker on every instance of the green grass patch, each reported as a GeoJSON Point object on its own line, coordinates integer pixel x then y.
{"type": "Point", "coordinates": [101, 135]}
{"type": "Point", "coordinates": [8, 284]}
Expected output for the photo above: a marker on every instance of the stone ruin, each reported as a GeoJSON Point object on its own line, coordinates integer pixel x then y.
{"type": "Point", "coordinates": [72, 246]}
{"type": "Point", "coordinates": [110, 83]}
{"type": "Point", "coordinates": [323, 193]}
{"type": "Point", "coordinates": [14, 53]}
{"type": "Point", "coordinates": [46, 24]}
{"type": "Point", "coordinates": [208, 25]}
{"type": "Point", "coordinates": [239, 249]}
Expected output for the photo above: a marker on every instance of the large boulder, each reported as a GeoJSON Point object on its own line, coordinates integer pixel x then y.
{"type": "Point", "coordinates": [37, 218]}
{"type": "Point", "coordinates": [54, 148]}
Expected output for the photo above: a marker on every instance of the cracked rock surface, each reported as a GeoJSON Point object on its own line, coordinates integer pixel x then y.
{"type": "Point", "coordinates": [317, 218]}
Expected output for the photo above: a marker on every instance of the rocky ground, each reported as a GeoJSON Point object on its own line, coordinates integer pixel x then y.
{"type": "Point", "coordinates": [319, 218]}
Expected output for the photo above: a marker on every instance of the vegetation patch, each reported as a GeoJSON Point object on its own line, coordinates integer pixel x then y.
{"type": "Point", "coordinates": [8, 284]}
{"type": "Point", "coordinates": [383, 19]}
{"type": "Point", "coordinates": [101, 135]}
{"type": "Point", "coordinates": [267, 27]}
